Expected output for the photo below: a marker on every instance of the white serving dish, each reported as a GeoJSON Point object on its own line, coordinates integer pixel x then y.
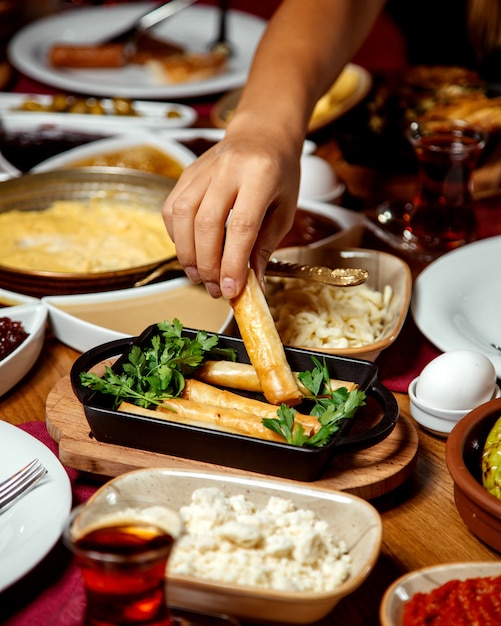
{"type": "Point", "coordinates": [84, 321]}
{"type": "Point", "coordinates": [33, 316]}
{"type": "Point", "coordinates": [425, 580]}
{"type": "Point", "coordinates": [129, 141]}
{"type": "Point", "coordinates": [153, 115]}
{"type": "Point", "coordinates": [349, 517]}
{"type": "Point", "coordinates": [12, 299]}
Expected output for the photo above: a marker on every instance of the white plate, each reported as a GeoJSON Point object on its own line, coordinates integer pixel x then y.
{"type": "Point", "coordinates": [424, 581]}
{"type": "Point", "coordinates": [120, 142]}
{"type": "Point", "coordinates": [154, 115]}
{"type": "Point", "coordinates": [195, 27]}
{"type": "Point", "coordinates": [31, 527]}
{"type": "Point", "coordinates": [457, 300]}
{"type": "Point", "coordinates": [88, 320]}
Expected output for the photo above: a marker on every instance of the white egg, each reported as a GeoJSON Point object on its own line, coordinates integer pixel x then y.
{"type": "Point", "coordinates": [318, 178]}
{"type": "Point", "coordinates": [457, 380]}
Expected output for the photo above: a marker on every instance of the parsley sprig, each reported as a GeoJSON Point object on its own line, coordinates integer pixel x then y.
{"type": "Point", "coordinates": [157, 372]}
{"type": "Point", "coordinates": [330, 407]}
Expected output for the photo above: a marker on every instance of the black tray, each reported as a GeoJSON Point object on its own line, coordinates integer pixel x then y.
{"type": "Point", "coordinates": [238, 451]}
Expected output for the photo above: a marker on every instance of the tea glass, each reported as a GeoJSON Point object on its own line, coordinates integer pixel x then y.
{"type": "Point", "coordinates": [122, 550]}
{"type": "Point", "coordinates": [441, 215]}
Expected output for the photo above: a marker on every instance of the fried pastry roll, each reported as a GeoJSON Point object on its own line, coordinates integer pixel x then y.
{"type": "Point", "coordinates": [263, 344]}
{"type": "Point", "coordinates": [243, 376]}
{"type": "Point", "coordinates": [193, 413]}
{"type": "Point", "coordinates": [207, 394]}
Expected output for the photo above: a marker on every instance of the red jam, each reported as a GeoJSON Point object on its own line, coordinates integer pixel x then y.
{"type": "Point", "coordinates": [12, 335]}
{"type": "Point", "coordinates": [471, 602]}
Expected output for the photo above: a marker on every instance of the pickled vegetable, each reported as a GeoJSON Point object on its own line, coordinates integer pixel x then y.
{"type": "Point", "coordinates": [491, 461]}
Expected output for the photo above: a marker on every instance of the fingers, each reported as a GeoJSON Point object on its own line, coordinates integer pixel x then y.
{"type": "Point", "coordinates": [229, 208]}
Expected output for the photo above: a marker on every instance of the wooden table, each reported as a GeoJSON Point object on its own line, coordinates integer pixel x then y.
{"type": "Point", "coordinates": [421, 526]}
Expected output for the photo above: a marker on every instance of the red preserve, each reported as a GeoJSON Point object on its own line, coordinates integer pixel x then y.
{"type": "Point", "coordinates": [12, 334]}
{"type": "Point", "coordinates": [471, 602]}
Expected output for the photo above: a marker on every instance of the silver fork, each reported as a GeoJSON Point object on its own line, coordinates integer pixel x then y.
{"type": "Point", "coordinates": [19, 483]}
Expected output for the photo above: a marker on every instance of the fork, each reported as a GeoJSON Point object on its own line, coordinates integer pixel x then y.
{"type": "Point", "coordinates": [20, 483]}
{"type": "Point", "coordinates": [147, 20]}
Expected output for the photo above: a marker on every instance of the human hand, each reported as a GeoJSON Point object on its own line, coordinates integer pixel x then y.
{"type": "Point", "coordinates": [231, 208]}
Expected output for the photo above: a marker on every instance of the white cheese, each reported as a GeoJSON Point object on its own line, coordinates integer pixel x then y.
{"type": "Point", "coordinates": [280, 547]}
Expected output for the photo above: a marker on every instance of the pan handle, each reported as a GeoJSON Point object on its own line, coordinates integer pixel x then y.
{"type": "Point", "coordinates": [381, 430]}
{"type": "Point", "coordinates": [91, 358]}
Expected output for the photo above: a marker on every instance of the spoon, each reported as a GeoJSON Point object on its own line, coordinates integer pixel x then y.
{"type": "Point", "coordinates": [339, 277]}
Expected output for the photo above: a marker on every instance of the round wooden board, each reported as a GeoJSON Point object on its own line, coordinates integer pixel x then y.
{"type": "Point", "coordinates": [368, 473]}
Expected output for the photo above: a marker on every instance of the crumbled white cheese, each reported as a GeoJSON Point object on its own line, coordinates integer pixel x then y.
{"type": "Point", "coordinates": [281, 547]}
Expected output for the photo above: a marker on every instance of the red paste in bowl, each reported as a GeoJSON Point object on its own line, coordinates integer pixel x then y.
{"type": "Point", "coordinates": [471, 602]}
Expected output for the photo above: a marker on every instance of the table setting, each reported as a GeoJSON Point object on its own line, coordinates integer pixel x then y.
{"type": "Point", "coordinates": [398, 493]}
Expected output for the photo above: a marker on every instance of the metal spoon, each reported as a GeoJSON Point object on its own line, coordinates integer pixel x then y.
{"type": "Point", "coordinates": [338, 277]}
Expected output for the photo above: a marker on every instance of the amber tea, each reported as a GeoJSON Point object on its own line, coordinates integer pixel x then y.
{"type": "Point", "coordinates": [442, 215]}
{"type": "Point", "coordinates": [122, 560]}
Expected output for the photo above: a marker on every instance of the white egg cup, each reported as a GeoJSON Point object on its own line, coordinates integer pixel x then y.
{"type": "Point", "coordinates": [318, 180]}
{"type": "Point", "coordinates": [438, 421]}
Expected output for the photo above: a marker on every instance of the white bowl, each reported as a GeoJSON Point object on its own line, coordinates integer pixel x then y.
{"type": "Point", "coordinates": [17, 364]}
{"type": "Point", "coordinates": [349, 517]}
{"type": "Point", "coordinates": [438, 421]}
{"type": "Point", "coordinates": [129, 141]}
{"type": "Point", "coordinates": [84, 321]}
{"type": "Point", "coordinates": [425, 580]}
{"type": "Point", "coordinates": [12, 299]}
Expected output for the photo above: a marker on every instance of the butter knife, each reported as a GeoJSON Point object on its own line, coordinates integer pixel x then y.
{"type": "Point", "coordinates": [338, 277]}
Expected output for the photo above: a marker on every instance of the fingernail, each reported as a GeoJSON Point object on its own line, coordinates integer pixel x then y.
{"type": "Point", "coordinates": [228, 287]}
{"type": "Point", "coordinates": [192, 274]}
{"type": "Point", "coordinates": [213, 289]}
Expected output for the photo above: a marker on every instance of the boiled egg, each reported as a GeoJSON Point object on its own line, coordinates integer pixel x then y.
{"type": "Point", "coordinates": [457, 380]}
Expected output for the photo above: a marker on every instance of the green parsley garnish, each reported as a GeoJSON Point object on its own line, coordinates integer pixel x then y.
{"type": "Point", "coordinates": [330, 407]}
{"type": "Point", "coordinates": [152, 374]}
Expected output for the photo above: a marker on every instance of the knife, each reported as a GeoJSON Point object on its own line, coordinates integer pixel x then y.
{"type": "Point", "coordinates": [338, 277]}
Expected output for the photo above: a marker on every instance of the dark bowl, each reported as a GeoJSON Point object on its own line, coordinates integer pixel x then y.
{"type": "Point", "coordinates": [479, 510]}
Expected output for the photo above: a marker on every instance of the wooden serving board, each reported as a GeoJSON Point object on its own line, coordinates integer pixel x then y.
{"type": "Point", "coordinates": [368, 473]}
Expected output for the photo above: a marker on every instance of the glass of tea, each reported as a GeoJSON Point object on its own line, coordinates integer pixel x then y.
{"type": "Point", "coordinates": [441, 214]}
{"type": "Point", "coordinates": [122, 550]}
